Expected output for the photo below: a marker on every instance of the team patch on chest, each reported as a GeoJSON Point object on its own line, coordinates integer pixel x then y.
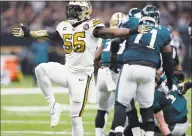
{"type": "Point", "coordinates": [86, 27]}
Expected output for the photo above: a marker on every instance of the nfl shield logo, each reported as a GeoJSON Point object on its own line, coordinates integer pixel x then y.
{"type": "Point", "coordinates": [86, 27]}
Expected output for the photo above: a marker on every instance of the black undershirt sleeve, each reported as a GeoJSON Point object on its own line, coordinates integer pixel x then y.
{"type": "Point", "coordinates": [168, 68]}
{"type": "Point", "coordinates": [55, 36]}
{"type": "Point", "coordinates": [115, 45]}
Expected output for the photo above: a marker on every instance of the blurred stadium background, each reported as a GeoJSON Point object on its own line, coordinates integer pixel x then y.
{"type": "Point", "coordinates": [23, 107]}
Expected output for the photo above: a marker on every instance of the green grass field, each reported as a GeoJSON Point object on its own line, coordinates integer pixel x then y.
{"type": "Point", "coordinates": [27, 114]}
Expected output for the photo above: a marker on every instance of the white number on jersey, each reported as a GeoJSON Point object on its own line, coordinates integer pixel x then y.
{"type": "Point", "coordinates": [171, 97]}
{"type": "Point", "coordinates": [152, 41]}
{"type": "Point", "coordinates": [107, 49]}
{"type": "Point", "coordinates": [121, 49]}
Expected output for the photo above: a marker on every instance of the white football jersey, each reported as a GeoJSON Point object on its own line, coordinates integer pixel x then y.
{"type": "Point", "coordinates": [80, 45]}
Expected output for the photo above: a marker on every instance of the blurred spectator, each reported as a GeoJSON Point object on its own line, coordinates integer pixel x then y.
{"type": "Point", "coordinates": [38, 6]}
{"type": "Point", "coordinates": [178, 43]}
{"type": "Point", "coordinates": [40, 54]}
{"type": "Point", "coordinates": [48, 14]}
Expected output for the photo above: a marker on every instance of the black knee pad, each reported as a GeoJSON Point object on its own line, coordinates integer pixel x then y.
{"type": "Point", "coordinates": [100, 119]}
{"type": "Point", "coordinates": [147, 118]}
{"type": "Point", "coordinates": [133, 118]}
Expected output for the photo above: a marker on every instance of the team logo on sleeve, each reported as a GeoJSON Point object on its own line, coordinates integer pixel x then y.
{"type": "Point", "coordinates": [86, 27]}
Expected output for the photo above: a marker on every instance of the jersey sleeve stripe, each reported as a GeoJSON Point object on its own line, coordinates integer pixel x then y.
{"type": "Point", "coordinates": [96, 22]}
{"type": "Point", "coordinates": [85, 96]}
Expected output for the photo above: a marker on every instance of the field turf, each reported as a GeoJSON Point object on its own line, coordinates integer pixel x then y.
{"type": "Point", "coordinates": [27, 114]}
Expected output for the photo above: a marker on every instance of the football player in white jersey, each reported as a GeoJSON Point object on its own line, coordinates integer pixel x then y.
{"type": "Point", "coordinates": [107, 79]}
{"type": "Point", "coordinates": [80, 35]}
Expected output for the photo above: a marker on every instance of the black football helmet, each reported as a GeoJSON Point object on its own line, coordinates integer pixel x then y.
{"type": "Point", "coordinates": [152, 12]}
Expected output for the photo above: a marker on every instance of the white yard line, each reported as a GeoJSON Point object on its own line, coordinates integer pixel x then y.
{"type": "Point", "coordinates": [42, 132]}
{"type": "Point", "coordinates": [25, 91]}
{"type": "Point", "coordinates": [42, 114]}
{"type": "Point", "coordinates": [47, 122]}
{"type": "Point", "coordinates": [65, 107]}
{"type": "Point", "coordinates": [40, 122]}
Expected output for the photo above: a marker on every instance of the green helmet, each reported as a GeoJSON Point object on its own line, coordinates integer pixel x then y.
{"type": "Point", "coordinates": [152, 12]}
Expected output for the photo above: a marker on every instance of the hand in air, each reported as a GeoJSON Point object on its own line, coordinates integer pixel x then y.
{"type": "Point", "coordinates": [21, 32]}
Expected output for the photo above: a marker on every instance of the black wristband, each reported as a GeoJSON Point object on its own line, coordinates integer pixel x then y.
{"type": "Point", "coordinates": [133, 31]}
{"type": "Point", "coordinates": [26, 31]}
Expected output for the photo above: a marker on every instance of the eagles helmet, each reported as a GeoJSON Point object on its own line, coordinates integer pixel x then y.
{"type": "Point", "coordinates": [117, 19]}
{"type": "Point", "coordinates": [78, 11]}
{"type": "Point", "coordinates": [151, 13]}
{"type": "Point", "coordinates": [134, 12]}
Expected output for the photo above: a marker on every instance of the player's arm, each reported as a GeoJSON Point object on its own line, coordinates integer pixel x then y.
{"type": "Point", "coordinates": [160, 101]}
{"type": "Point", "coordinates": [110, 33]}
{"type": "Point", "coordinates": [39, 34]}
{"type": "Point", "coordinates": [115, 46]}
{"type": "Point", "coordinates": [163, 126]}
{"type": "Point", "coordinates": [44, 34]}
{"type": "Point", "coordinates": [167, 57]}
{"type": "Point", "coordinates": [184, 87]}
{"type": "Point", "coordinates": [98, 56]}
{"type": "Point", "coordinates": [98, 53]}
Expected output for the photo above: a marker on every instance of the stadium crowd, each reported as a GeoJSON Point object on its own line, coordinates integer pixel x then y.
{"type": "Point", "coordinates": [46, 15]}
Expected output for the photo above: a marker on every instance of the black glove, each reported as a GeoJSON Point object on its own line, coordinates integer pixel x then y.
{"type": "Point", "coordinates": [26, 30]}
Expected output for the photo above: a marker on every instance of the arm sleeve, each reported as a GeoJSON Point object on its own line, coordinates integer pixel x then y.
{"type": "Point", "coordinates": [115, 45]}
{"type": "Point", "coordinates": [168, 68]}
{"type": "Point", "coordinates": [44, 34]}
{"type": "Point", "coordinates": [160, 101]}
{"type": "Point", "coordinates": [54, 36]}
{"type": "Point", "coordinates": [156, 104]}
{"type": "Point", "coordinates": [95, 24]}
